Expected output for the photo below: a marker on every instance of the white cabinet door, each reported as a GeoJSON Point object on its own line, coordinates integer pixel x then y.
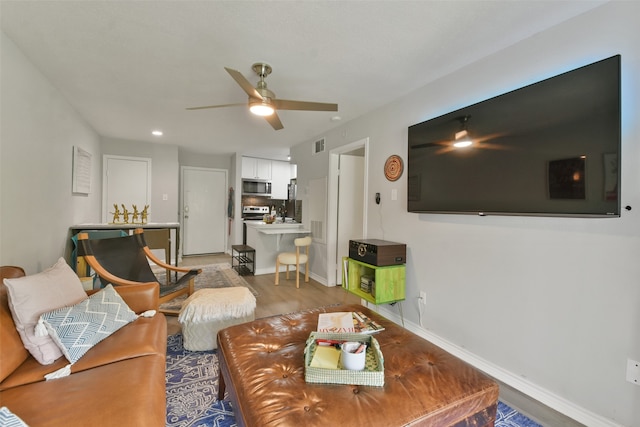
{"type": "Point", "coordinates": [263, 169]}
{"type": "Point", "coordinates": [249, 167]}
{"type": "Point", "coordinates": [254, 168]}
{"type": "Point", "coordinates": [280, 176]}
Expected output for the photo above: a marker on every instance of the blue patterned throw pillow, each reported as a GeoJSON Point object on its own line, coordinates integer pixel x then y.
{"type": "Point", "coordinates": [9, 419]}
{"type": "Point", "coordinates": [78, 328]}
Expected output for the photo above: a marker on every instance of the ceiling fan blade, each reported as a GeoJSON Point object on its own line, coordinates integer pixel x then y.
{"type": "Point", "coordinates": [274, 121]}
{"type": "Point", "coordinates": [285, 104]}
{"type": "Point", "coordinates": [215, 106]}
{"type": "Point", "coordinates": [244, 83]}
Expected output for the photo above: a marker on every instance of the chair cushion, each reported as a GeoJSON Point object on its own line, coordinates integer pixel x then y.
{"type": "Point", "coordinates": [290, 258]}
{"type": "Point", "coordinates": [30, 296]}
{"type": "Point", "coordinates": [78, 328]}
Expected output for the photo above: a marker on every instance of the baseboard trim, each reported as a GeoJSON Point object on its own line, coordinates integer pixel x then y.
{"type": "Point", "coordinates": [323, 281]}
{"type": "Point", "coordinates": [542, 395]}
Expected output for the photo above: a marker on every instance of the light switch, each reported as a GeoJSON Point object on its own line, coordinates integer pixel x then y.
{"type": "Point", "coordinates": [165, 197]}
{"type": "Point", "coordinates": [394, 194]}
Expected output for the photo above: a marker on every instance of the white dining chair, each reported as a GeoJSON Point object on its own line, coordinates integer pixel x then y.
{"type": "Point", "coordinates": [295, 258]}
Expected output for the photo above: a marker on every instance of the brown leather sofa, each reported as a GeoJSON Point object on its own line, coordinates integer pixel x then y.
{"type": "Point", "coordinates": [120, 381]}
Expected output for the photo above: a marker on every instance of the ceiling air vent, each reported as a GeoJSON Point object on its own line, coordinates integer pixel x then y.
{"type": "Point", "coordinates": [318, 146]}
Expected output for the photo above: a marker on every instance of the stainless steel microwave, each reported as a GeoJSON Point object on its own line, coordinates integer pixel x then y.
{"type": "Point", "coordinates": [256, 188]}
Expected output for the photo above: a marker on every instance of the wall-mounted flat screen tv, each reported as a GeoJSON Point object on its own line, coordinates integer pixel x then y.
{"type": "Point", "coordinates": [551, 149]}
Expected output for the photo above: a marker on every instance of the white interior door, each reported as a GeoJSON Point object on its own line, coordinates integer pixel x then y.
{"type": "Point", "coordinates": [204, 204]}
{"type": "Point", "coordinates": [350, 205]}
{"type": "Point", "coordinates": [126, 181]}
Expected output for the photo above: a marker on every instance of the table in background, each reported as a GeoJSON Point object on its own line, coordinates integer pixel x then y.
{"type": "Point", "coordinates": [269, 240]}
{"type": "Point", "coordinates": [154, 240]}
{"type": "Point", "coordinates": [243, 259]}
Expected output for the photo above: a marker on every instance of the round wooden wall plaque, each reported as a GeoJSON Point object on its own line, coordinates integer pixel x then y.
{"type": "Point", "coordinates": [393, 168]}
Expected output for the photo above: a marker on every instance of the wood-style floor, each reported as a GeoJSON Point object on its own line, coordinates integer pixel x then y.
{"type": "Point", "coordinates": [285, 298]}
{"type": "Point", "coordinates": [272, 299]}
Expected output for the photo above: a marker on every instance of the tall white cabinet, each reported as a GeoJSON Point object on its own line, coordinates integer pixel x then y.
{"type": "Point", "coordinates": [280, 177]}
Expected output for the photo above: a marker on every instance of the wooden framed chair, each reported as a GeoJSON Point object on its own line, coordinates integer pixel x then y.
{"type": "Point", "coordinates": [160, 239]}
{"type": "Point", "coordinates": [124, 261]}
{"type": "Point", "coordinates": [295, 258]}
{"type": "Point", "coordinates": [77, 262]}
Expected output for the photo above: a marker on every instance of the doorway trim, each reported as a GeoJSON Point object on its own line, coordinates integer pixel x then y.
{"type": "Point", "coordinates": [332, 221]}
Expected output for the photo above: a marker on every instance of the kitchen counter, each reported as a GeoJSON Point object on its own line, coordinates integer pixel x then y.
{"type": "Point", "coordinates": [270, 239]}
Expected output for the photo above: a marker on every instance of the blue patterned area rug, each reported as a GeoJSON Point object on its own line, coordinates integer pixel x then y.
{"type": "Point", "coordinates": [192, 389]}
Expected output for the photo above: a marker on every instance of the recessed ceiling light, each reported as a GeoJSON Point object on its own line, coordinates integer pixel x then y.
{"type": "Point", "coordinates": [157, 133]}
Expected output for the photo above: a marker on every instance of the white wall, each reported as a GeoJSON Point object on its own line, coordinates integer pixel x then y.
{"type": "Point", "coordinates": [39, 129]}
{"type": "Point", "coordinates": [165, 172]}
{"type": "Point", "coordinates": [553, 301]}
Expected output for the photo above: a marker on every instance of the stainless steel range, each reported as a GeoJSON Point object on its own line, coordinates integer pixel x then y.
{"type": "Point", "coordinates": [252, 213]}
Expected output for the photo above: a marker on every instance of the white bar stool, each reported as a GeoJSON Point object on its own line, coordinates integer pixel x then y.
{"type": "Point", "coordinates": [295, 258]}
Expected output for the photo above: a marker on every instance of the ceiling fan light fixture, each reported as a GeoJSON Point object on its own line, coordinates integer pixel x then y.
{"type": "Point", "coordinates": [463, 143]}
{"type": "Point", "coordinates": [261, 108]}
{"type": "Point", "coordinates": [462, 138]}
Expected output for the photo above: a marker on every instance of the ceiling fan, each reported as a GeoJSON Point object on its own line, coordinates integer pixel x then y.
{"type": "Point", "coordinates": [263, 102]}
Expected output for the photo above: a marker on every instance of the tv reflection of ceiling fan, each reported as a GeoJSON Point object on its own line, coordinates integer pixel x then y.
{"type": "Point", "coordinates": [462, 139]}
{"type": "Point", "coordinates": [263, 102]}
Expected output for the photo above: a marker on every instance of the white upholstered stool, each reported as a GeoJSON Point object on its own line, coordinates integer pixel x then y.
{"type": "Point", "coordinates": [295, 258]}
{"type": "Point", "coordinates": [207, 311]}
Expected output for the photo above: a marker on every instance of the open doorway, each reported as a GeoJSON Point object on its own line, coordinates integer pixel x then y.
{"type": "Point", "coordinates": [347, 203]}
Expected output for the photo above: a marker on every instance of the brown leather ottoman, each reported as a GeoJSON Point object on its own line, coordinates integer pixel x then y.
{"type": "Point", "coordinates": [262, 366]}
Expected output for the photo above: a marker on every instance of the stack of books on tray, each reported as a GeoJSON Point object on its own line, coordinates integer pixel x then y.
{"type": "Point", "coordinates": [350, 322]}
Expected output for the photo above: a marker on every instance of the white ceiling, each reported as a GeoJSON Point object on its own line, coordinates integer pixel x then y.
{"type": "Point", "coordinates": [129, 67]}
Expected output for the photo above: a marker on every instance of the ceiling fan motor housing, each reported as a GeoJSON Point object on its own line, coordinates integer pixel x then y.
{"type": "Point", "coordinates": [262, 69]}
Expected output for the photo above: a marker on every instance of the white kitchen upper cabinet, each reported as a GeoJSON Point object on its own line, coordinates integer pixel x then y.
{"type": "Point", "coordinates": [254, 168]}
{"type": "Point", "coordinates": [280, 177]}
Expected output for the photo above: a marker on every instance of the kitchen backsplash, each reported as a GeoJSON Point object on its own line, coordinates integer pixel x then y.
{"type": "Point", "coordinates": [293, 208]}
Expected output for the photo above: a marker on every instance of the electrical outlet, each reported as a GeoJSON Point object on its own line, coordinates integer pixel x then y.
{"type": "Point", "coordinates": [633, 371]}
{"type": "Point", "coordinates": [423, 298]}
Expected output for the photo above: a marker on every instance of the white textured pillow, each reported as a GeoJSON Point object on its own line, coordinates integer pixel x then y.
{"type": "Point", "coordinates": [30, 296]}
{"type": "Point", "coordinates": [78, 328]}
